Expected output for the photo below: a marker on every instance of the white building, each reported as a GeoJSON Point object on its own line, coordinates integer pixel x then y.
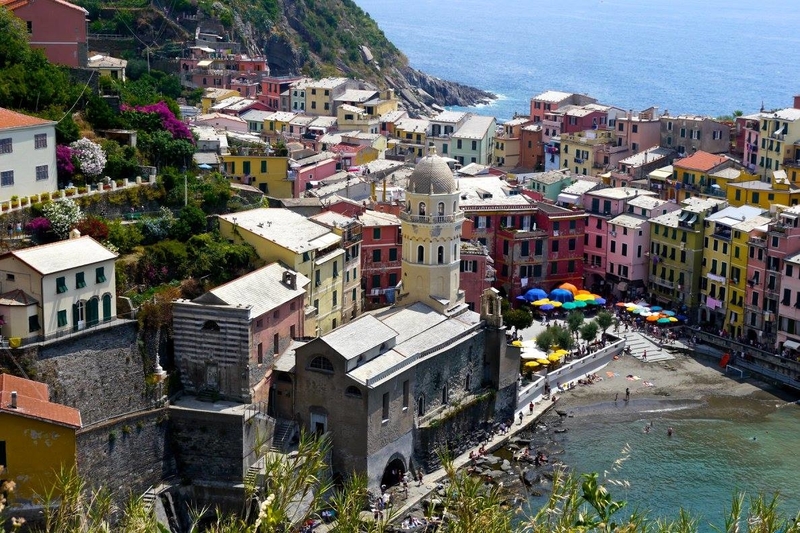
{"type": "Point", "coordinates": [27, 155]}
{"type": "Point", "coordinates": [56, 288]}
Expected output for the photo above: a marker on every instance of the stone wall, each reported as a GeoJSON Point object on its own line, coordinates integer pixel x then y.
{"type": "Point", "coordinates": [127, 455]}
{"type": "Point", "coordinates": [457, 430]}
{"type": "Point", "coordinates": [100, 372]}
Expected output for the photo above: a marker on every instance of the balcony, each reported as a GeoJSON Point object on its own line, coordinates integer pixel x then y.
{"type": "Point", "coordinates": [753, 309]}
{"type": "Point", "coordinates": [757, 241]}
{"type": "Point", "coordinates": [438, 219]}
{"type": "Point", "coordinates": [663, 283]}
{"type": "Point", "coordinates": [723, 232]}
{"type": "Point", "coordinates": [713, 191]}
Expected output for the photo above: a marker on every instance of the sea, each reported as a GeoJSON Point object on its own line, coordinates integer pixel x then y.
{"type": "Point", "coordinates": [709, 57]}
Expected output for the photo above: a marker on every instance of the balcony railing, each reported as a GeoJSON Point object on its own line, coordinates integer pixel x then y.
{"type": "Point", "coordinates": [757, 241]}
{"type": "Point", "coordinates": [663, 282]}
{"type": "Point", "coordinates": [437, 219]}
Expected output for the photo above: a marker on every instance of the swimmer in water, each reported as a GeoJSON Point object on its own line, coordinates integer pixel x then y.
{"type": "Point", "coordinates": [669, 432]}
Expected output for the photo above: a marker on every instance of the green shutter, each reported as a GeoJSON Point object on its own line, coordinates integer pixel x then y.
{"type": "Point", "coordinates": [100, 275]}
{"type": "Point", "coordinates": [80, 280]}
{"type": "Point", "coordinates": [106, 307]}
{"type": "Point", "coordinates": [61, 285]}
{"type": "Point", "coordinates": [75, 317]}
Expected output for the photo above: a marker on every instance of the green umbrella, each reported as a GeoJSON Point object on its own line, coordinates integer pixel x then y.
{"type": "Point", "coordinates": [664, 320]}
{"type": "Point", "coordinates": [569, 306]}
{"type": "Point", "coordinates": [592, 302]}
{"type": "Point", "coordinates": [579, 304]}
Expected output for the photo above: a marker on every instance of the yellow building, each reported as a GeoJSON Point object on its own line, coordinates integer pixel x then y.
{"type": "Point", "coordinates": [320, 95]}
{"type": "Point", "coordinates": [590, 152]}
{"type": "Point", "coordinates": [412, 135]}
{"type": "Point", "coordinates": [350, 117]}
{"type": "Point", "coordinates": [37, 437]}
{"type": "Point", "coordinates": [254, 167]}
{"type": "Point", "coordinates": [303, 246]}
{"type": "Point", "coordinates": [779, 191]}
{"type": "Point", "coordinates": [507, 145]}
{"type": "Point", "coordinates": [277, 124]}
{"type": "Point", "coordinates": [691, 175]}
{"type": "Point", "coordinates": [212, 96]}
{"type": "Point", "coordinates": [724, 267]}
{"type": "Point", "coordinates": [778, 132]}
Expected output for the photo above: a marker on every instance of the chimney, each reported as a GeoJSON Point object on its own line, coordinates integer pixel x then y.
{"type": "Point", "coordinates": [13, 399]}
{"type": "Point", "coordinates": [796, 102]}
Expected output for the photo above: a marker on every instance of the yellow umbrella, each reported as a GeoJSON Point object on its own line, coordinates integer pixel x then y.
{"type": "Point", "coordinates": [584, 297]}
{"type": "Point", "coordinates": [631, 309]}
{"type": "Point", "coordinates": [531, 365]}
{"type": "Point", "coordinates": [541, 302]}
{"type": "Point", "coordinates": [518, 344]}
{"type": "Point", "coordinates": [561, 352]}
{"type": "Point", "coordinates": [554, 357]}
{"type": "Point", "coordinates": [673, 319]}
{"type": "Point", "coordinates": [543, 362]}
{"type": "Point", "coordinates": [556, 303]}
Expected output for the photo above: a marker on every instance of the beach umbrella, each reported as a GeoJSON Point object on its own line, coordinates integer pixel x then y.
{"type": "Point", "coordinates": [672, 319]}
{"type": "Point", "coordinates": [521, 298]}
{"type": "Point", "coordinates": [541, 302]}
{"type": "Point", "coordinates": [584, 297]}
{"type": "Point", "coordinates": [642, 303]}
{"type": "Point", "coordinates": [543, 361]}
{"type": "Point", "coordinates": [633, 309]}
{"type": "Point", "coordinates": [535, 294]}
{"type": "Point", "coordinates": [547, 307]}
{"type": "Point", "coordinates": [663, 320]}
{"type": "Point", "coordinates": [570, 287]}
{"type": "Point", "coordinates": [569, 306]}
{"type": "Point", "coordinates": [668, 313]}
{"type": "Point", "coordinates": [583, 291]}
{"type": "Point", "coordinates": [652, 318]}
{"type": "Point", "coordinates": [562, 295]}
{"type": "Point", "coordinates": [530, 365]}
{"type": "Point", "coordinates": [656, 308]}
{"type": "Point", "coordinates": [532, 355]}
{"type": "Point", "coordinates": [556, 304]}
{"type": "Point", "coordinates": [554, 358]}
{"type": "Point", "coordinates": [518, 344]}
{"type": "Point", "coordinates": [592, 302]}
{"type": "Point", "coordinates": [600, 301]}
{"type": "Point", "coordinates": [621, 304]}
{"type": "Point", "coordinates": [682, 317]}
{"type": "Point", "coordinates": [579, 304]}
{"type": "Point", "coordinates": [638, 310]}
{"type": "Point", "coordinates": [560, 352]}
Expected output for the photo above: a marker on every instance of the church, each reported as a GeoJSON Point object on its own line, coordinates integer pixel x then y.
{"type": "Point", "coordinates": [395, 386]}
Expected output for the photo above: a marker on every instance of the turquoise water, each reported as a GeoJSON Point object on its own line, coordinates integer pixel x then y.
{"type": "Point", "coordinates": [711, 455]}
{"type": "Point", "coordinates": [688, 56]}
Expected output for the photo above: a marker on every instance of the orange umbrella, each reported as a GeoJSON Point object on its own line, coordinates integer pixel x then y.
{"type": "Point", "coordinates": [652, 318]}
{"type": "Point", "coordinates": [584, 291]}
{"type": "Point", "coordinates": [569, 287]}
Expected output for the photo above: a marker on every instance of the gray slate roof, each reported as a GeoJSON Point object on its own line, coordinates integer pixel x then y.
{"type": "Point", "coordinates": [359, 336]}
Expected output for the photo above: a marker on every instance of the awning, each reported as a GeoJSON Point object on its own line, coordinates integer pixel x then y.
{"type": "Point", "coordinates": [792, 345]}
{"type": "Point", "coordinates": [204, 63]}
{"type": "Point", "coordinates": [568, 198]}
{"type": "Point", "coordinates": [622, 286]}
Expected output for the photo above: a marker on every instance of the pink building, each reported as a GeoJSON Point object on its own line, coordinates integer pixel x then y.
{"type": "Point", "coordinates": [271, 89]}
{"type": "Point", "coordinates": [638, 131]}
{"type": "Point", "coordinates": [311, 169]}
{"type": "Point", "coordinates": [563, 245]}
{"type": "Point", "coordinates": [55, 26]}
{"type": "Point", "coordinates": [747, 141]}
{"type": "Point", "coordinates": [602, 205]}
{"type": "Point", "coordinates": [789, 308]}
{"type": "Point", "coordinates": [476, 273]}
{"type": "Point", "coordinates": [205, 67]}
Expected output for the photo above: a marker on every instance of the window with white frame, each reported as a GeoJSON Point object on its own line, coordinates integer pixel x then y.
{"type": "Point", "coordinates": [42, 173]}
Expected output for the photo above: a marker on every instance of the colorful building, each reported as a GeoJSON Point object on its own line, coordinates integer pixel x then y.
{"type": "Point", "coordinates": [676, 254]}
{"type": "Point", "coordinates": [380, 257]}
{"type": "Point", "coordinates": [320, 94]}
{"type": "Point", "coordinates": [564, 245]}
{"type": "Point", "coordinates": [532, 150]}
{"type": "Point", "coordinates": [778, 191]}
{"type": "Point", "coordinates": [255, 167]}
{"type": "Point", "coordinates": [591, 152]}
{"type": "Point", "coordinates": [38, 438]}
{"type": "Point", "coordinates": [691, 174]}
{"type": "Point", "coordinates": [55, 26]}
{"type": "Point", "coordinates": [551, 183]}
{"type": "Point", "coordinates": [303, 246]}
{"type": "Point", "coordinates": [351, 231]}
{"type": "Point", "coordinates": [507, 146]}
{"type": "Point", "coordinates": [722, 282]}
{"type": "Point", "coordinates": [476, 273]}
{"type": "Point", "coordinates": [473, 142]}
{"type": "Point", "coordinates": [687, 134]}
{"type": "Point", "coordinates": [27, 155]}
{"type": "Point", "coordinates": [412, 136]}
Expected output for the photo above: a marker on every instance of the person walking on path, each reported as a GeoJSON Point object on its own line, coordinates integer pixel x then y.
{"type": "Point", "coordinates": [520, 419]}
{"type": "Point", "coordinates": [419, 477]}
{"type": "Point", "coordinates": [644, 356]}
{"type": "Point", "coordinates": [627, 394]}
{"type": "Point", "coordinates": [530, 408]}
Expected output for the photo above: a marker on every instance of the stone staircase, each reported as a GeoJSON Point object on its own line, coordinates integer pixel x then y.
{"type": "Point", "coordinates": [149, 499]}
{"type": "Point", "coordinates": [639, 343]}
{"type": "Point", "coordinates": [284, 432]}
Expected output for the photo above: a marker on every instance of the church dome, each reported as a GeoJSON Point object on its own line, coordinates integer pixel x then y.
{"type": "Point", "coordinates": [432, 176]}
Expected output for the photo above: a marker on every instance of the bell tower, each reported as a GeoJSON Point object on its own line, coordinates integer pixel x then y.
{"type": "Point", "coordinates": [431, 227]}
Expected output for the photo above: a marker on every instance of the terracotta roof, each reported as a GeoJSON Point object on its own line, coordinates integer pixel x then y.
{"type": "Point", "coordinates": [16, 4]}
{"type": "Point", "coordinates": [11, 119]}
{"type": "Point", "coordinates": [33, 402]}
{"type": "Point", "coordinates": [702, 161]}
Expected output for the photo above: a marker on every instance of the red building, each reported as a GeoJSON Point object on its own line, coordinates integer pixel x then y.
{"type": "Point", "coordinates": [271, 89]}
{"type": "Point", "coordinates": [206, 68]}
{"type": "Point", "coordinates": [476, 273]}
{"type": "Point", "coordinates": [531, 147]}
{"type": "Point", "coordinates": [55, 26]}
{"type": "Point", "coordinates": [381, 257]}
{"type": "Point", "coordinates": [564, 247]}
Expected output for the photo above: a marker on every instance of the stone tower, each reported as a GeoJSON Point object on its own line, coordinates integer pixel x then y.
{"type": "Point", "coordinates": [431, 227]}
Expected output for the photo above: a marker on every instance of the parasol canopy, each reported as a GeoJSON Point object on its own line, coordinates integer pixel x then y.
{"type": "Point", "coordinates": [656, 308]}
{"type": "Point", "coordinates": [570, 287]}
{"type": "Point", "coordinates": [621, 304]}
{"type": "Point", "coordinates": [561, 295]}
{"type": "Point", "coordinates": [579, 304]}
{"type": "Point", "coordinates": [543, 361]}
{"type": "Point", "coordinates": [663, 320]}
{"type": "Point", "coordinates": [569, 306]}
{"type": "Point", "coordinates": [672, 319]}
{"type": "Point", "coordinates": [583, 291]}
{"type": "Point", "coordinates": [541, 302]}
{"type": "Point", "coordinates": [556, 304]}
{"type": "Point", "coordinates": [554, 358]}
{"type": "Point", "coordinates": [600, 301]}
{"type": "Point", "coordinates": [584, 297]}
{"type": "Point", "coordinates": [669, 313]}
{"type": "Point", "coordinates": [530, 365]}
{"type": "Point", "coordinates": [535, 294]}
{"type": "Point", "coordinates": [652, 318]}
{"type": "Point", "coordinates": [547, 307]}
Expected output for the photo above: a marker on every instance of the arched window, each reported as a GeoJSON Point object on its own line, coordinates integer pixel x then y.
{"type": "Point", "coordinates": [421, 406]}
{"type": "Point", "coordinates": [441, 209]}
{"type": "Point", "coordinates": [210, 325]}
{"type": "Point", "coordinates": [408, 207]}
{"type": "Point", "coordinates": [420, 254]}
{"type": "Point", "coordinates": [422, 209]}
{"type": "Point", "coordinates": [321, 363]}
{"type": "Point", "coordinates": [440, 255]}
{"type": "Point", "coordinates": [353, 392]}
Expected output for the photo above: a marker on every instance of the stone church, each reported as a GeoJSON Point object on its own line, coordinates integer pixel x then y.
{"type": "Point", "coordinates": [396, 385]}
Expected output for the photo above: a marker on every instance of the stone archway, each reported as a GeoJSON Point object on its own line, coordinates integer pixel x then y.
{"type": "Point", "coordinates": [393, 473]}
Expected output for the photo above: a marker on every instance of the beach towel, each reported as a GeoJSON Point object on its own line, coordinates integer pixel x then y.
{"type": "Point", "coordinates": [649, 383]}
{"type": "Point", "coordinates": [610, 374]}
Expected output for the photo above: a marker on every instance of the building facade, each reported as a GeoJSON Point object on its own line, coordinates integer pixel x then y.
{"type": "Point", "coordinates": [27, 155]}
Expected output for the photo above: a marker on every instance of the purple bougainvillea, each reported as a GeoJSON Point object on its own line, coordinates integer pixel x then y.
{"type": "Point", "coordinates": [169, 121]}
{"type": "Point", "coordinates": [64, 163]}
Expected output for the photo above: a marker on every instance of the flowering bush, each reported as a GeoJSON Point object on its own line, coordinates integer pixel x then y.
{"type": "Point", "coordinates": [40, 229]}
{"type": "Point", "coordinates": [90, 156]}
{"type": "Point", "coordinates": [64, 163]}
{"type": "Point", "coordinates": [63, 216]}
{"type": "Point", "coordinates": [167, 119]}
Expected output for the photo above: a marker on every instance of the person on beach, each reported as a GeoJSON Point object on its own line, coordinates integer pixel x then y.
{"type": "Point", "coordinates": [616, 396]}
{"type": "Point", "coordinates": [627, 394]}
{"type": "Point", "coordinates": [644, 356]}
{"type": "Point", "coordinates": [520, 418]}
{"type": "Point", "coordinates": [530, 408]}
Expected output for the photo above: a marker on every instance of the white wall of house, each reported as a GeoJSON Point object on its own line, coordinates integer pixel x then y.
{"type": "Point", "coordinates": [28, 170]}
